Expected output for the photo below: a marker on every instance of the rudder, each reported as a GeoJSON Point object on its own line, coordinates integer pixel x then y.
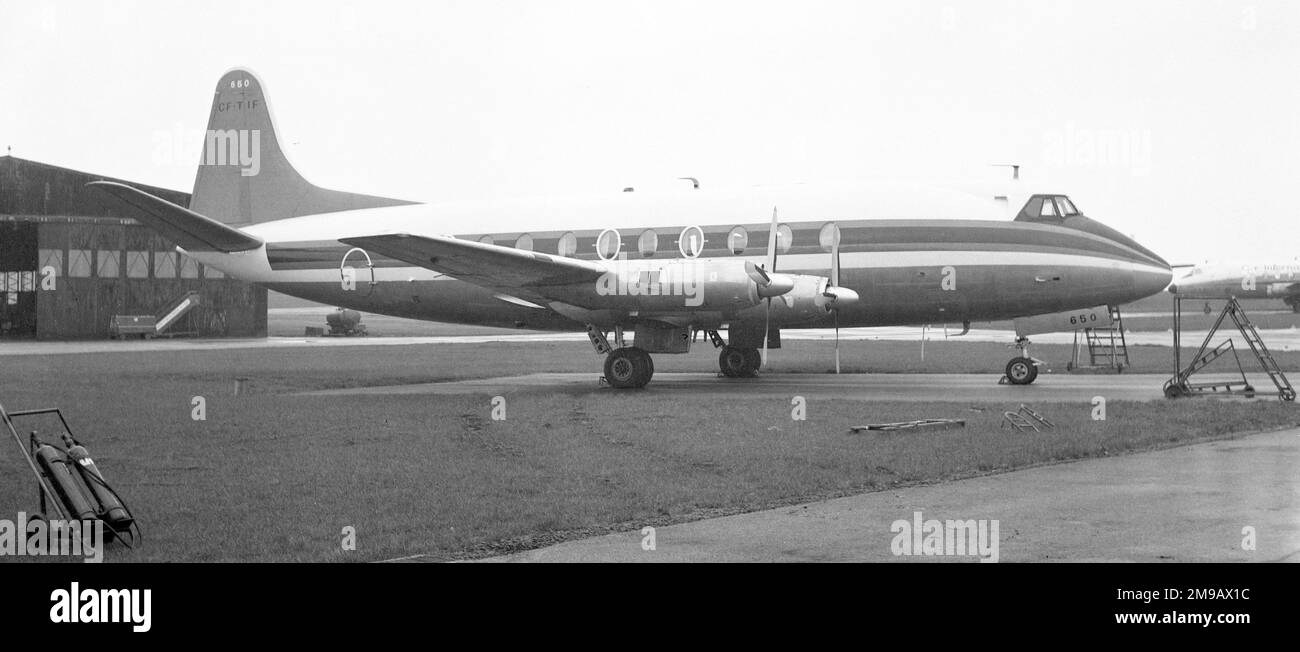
{"type": "Point", "coordinates": [244, 177]}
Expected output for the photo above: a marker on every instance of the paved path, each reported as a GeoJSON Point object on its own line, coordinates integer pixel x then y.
{"type": "Point", "coordinates": [1277, 340]}
{"type": "Point", "coordinates": [1184, 504]}
{"type": "Point", "coordinates": [865, 387]}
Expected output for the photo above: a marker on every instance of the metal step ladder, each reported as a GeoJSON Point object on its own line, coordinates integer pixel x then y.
{"type": "Point", "coordinates": [1107, 347]}
{"type": "Point", "coordinates": [1025, 418]}
{"type": "Point", "coordinates": [177, 309]}
{"type": "Point", "coordinates": [1181, 385]}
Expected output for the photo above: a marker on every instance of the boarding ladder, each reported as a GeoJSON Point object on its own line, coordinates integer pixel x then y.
{"type": "Point", "coordinates": [1181, 385]}
{"type": "Point", "coordinates": [176, 310]}
{"type": "Point", "coordinates": [151, 326]}
{"type": "Point", "coordinates": [1107, 347]}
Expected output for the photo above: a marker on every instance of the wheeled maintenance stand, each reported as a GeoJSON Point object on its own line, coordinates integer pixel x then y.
{"type": "Point", "coordinates": [71, 486]}
{"type": "Point", "coordinates": [1181, 385]}
{"type": "Point", "coordinates": [47, 491]}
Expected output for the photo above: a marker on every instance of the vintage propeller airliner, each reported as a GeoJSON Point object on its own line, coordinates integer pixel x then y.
{"type": "Point", "coordinates": [665, 267]}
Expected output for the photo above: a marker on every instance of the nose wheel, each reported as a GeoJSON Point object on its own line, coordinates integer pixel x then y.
{"type": "Point", "coordinates": [1021, 371]}
{"type": "Point", "coordinates": [628, 368]}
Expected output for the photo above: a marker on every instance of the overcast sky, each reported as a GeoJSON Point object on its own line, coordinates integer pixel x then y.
{"type": "Point", "coordinates": [1176, 122]}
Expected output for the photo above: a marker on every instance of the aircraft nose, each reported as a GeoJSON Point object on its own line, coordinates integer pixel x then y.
{"type": "Point", "coordinates": [1149, 279]}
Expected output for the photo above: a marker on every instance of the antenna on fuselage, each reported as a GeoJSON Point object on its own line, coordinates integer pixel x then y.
{"type": "Point", "coordinates": [694, 182]}
{"type": "Point", "coordinates": [1015, 169]}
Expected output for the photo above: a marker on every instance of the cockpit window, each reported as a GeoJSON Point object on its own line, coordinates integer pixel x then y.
{"type": "Point", "coordinates": [1047, 208]}
{"type": "Point", "coordinates": [1066, 206]}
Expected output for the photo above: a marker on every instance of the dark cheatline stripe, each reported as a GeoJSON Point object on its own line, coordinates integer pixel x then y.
{"type": "Point", "coordinates": [856, 236]}
{"type": "Point", "coordinates": [323, 255]}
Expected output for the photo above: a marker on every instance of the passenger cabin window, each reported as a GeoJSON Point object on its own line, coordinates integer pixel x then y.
{"type": "Point", "coordinates": [568, 245]}
{"type": "Point", "coordinates": [829, 236]}
{"type": "Point", "coordinates": [691, 242]}
{"type": "Point", "coordinates": [784, 238]}
{"type": "Point", "coordinates": [648, 243]}
{"type": "Point", "coordinates": [737, 240]}
{"type": "Point", "coordinates": [608, 244]}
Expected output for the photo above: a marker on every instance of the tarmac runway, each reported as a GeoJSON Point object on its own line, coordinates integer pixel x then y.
{"type": "Point", "coordinates": [923, 388]}
{"type": "Point", "coordinates": [1277, 340]}
{"type": "Point", "coordinates": [1186, 504]}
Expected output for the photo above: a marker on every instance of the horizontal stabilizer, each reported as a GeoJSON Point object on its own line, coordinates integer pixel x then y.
{"type": "Point", "coordinates": [483, 264]}
{"type": "Point", "coordinates": [193, 232]}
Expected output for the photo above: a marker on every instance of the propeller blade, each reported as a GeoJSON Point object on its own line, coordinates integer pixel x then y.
{"type": "Point", "coordinates": [767, 326]}
{"type": "Point", "coordinates": [771, 243]}
{"type": "Point", "coordinates": [835, 260]}
{"type": "Point", "coordinates": [837, 341]}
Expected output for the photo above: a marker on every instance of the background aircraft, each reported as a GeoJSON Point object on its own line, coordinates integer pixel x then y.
{"type": "Point", "coordinates": [1242, 280]}
{"type": "Point", "coordinates": [751, 262]}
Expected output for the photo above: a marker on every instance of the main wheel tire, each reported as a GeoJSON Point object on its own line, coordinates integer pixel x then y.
{"type": "Point", "coordinates": [733, 362]}
{"type": "Point", "coordinates": [649, 362]}
{"type": "Point", "coordinates": [753, 362]}
{"type": "Point", "coordinates": [628, 368]}
{"type": "Point", "coordinates": [1021, 371]}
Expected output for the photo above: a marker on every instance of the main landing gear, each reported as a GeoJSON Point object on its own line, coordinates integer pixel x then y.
{"type": "Point", "coordinates": [737, 362]}
{"type": "Point", "coordinates": [1022, 370]}
{"type": "Point", "coordinates": [628, 368]}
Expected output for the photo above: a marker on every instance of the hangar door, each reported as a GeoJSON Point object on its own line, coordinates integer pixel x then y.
{"type": "Point", "coordinates": [18, 262]}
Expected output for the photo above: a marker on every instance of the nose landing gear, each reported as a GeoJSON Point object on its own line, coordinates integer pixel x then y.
{"type": "Point", "coordinates": [1021, 370]}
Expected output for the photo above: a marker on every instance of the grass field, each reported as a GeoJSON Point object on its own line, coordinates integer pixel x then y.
{"type": "Point", "coordinates": [270, 476]}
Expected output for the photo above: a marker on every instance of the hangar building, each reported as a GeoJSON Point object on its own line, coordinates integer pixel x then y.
{"type": "Point", "coordinates": [73, 261]}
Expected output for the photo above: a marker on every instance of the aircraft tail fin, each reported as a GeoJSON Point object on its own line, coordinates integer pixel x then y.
{"type": "Point", "coordinates": [244, 177]}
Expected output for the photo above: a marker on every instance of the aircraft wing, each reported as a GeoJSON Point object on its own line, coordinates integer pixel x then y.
{"type": "Point", "coordinates": [488, 265]}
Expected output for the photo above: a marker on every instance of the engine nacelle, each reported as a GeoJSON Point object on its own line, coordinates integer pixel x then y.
{"type": "Point", "coordinates": [811, 298]}
{"type": "Point", "coordinates": [724, 287]}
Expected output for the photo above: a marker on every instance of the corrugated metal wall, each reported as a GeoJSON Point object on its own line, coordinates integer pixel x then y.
{"type": "Point", "coordinates": [106, 264]}
{"type": "Point", "coordinates": [106, 270]}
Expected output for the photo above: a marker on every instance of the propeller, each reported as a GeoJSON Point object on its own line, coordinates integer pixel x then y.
{"type": "Point", "coordinates": [771, 269]}
{"type": "Point", "coordinates": [834, 296]}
